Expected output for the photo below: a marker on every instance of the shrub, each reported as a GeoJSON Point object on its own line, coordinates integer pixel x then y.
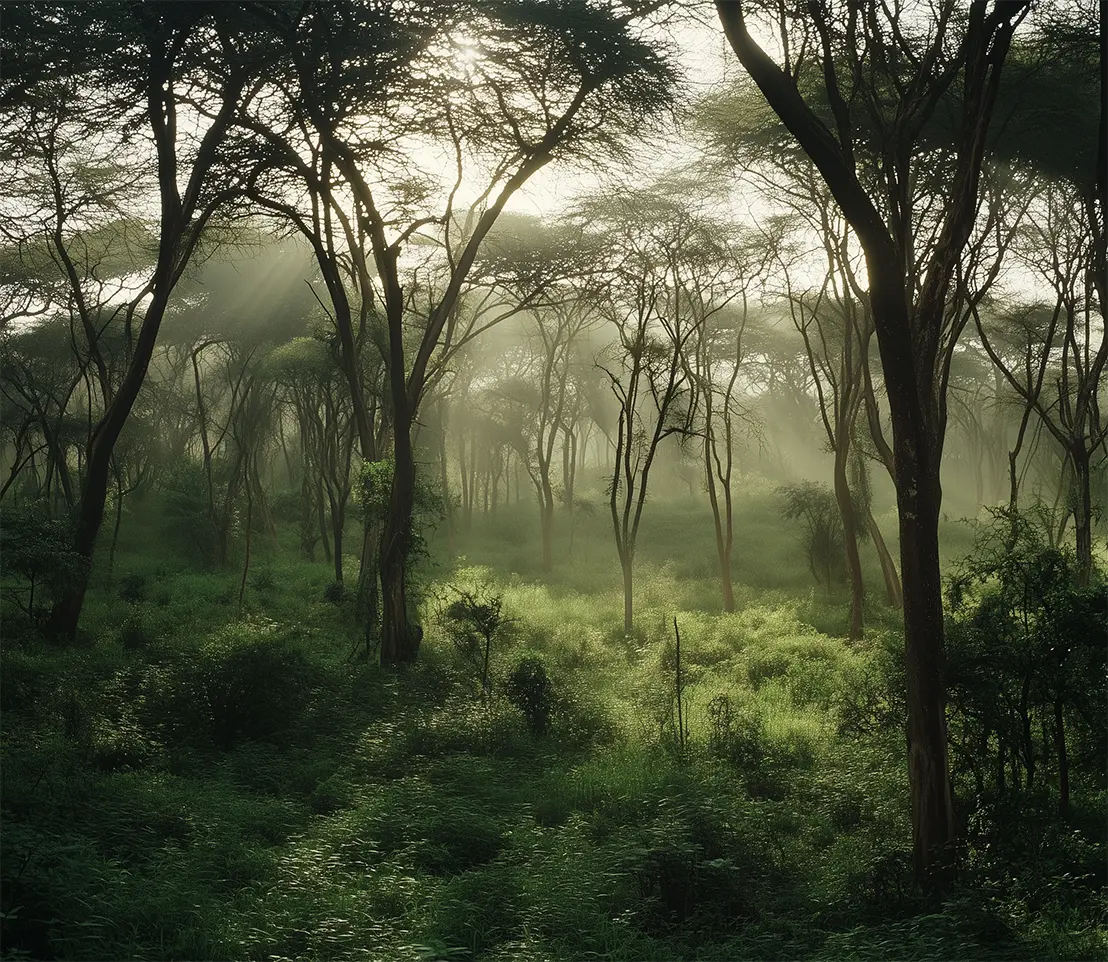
{"type": "Point", "coordinates": [472, 621]}
{"type": "Point", "coordinates": [132, 588]}
{"type": "Point", "coordinates": [133, 635]}
{"type": "Point", "coordinates": [186, 511]}
{"type": "Point", "coordinates": [823, 537]}
{"type": "Point", "coordinates": [532, 692]}
{"type": "Point", "coordinates": [1027, 661]}
{"type": "Point", "coordinates": [239, 685]}
{"type": "Point", "coordinates": [38, 555]}
{"type": "Point", "coordinates": [334, 592]}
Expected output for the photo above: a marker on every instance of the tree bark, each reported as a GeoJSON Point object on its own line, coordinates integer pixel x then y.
{"type": "Point", "coordinates": [627, 563]}
{"type": "Point", "coordinates": [1082, 512]}
{"type": "Point", "coordinates": [90, 514]}
{"type": "Point", "coordinates": [398, 644]}
{"type": "Point", "coordinates": [894, 594]}
{"type": "Point", "coordinates": [850, 537]}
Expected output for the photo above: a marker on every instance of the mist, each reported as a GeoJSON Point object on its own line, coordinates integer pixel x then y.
{"type": "Point", "coordinates": [547, 479]}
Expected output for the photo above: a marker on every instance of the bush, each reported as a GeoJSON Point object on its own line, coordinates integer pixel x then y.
{"type": "Point", "coordinates": [472, 621]}
{"type": "Point", "coordinates": [132, 588]}
{"type": "Point", "coordinates": [133, 635]}
{"type": "Point", "coordinates": [334, 592]}
{"type": "Point", "coordinates": [239, 685]}
{"type": "Point", "coordinates": [532, 692]}
{"type": "Point", "coordinates": [38, 555]}
{"type": "Point", "coordinates": [823, 538]}
{"type": "Point", "coordinates": [1027, 662]}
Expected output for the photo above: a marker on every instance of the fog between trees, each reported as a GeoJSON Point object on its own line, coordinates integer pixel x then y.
{"type": "Point", "coordinates": [274, 316]}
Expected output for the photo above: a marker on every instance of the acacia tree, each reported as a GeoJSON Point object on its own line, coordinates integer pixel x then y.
{"type": "Point", "coordinates": [721, 270]}
{"type": "Point", "coordinates": [871, 151]}
{"type": "Point", "coordinates": [149, 63]}
{"type": "Point", "coordinates": [1073, 349]}
{"type": "Point", "coordinates": [510, 86]}
{"type": "Point", "coordinates": [657, 302]}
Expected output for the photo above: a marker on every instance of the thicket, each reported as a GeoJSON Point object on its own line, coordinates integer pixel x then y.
{"type": "Point", "coordinates": [210, 780]}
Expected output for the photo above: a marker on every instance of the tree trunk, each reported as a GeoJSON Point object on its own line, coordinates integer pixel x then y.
{"type": "Point", "coordinates": [627, 561]}
{"type": "Point", "coordinates": [321, 520]}
{"type": "Point", "coordinates": [546, 512]}
{"type": "Point", "coordinates": [723, 546]}
{"type": "Point", "coordinates": [398, 644]}
{"type": "Point", "coordinates": [118, 519]}
{"type": "Point", "coordinates": [546, 516]}
{"type": "Point", "coordinates": [850, 538]}
{"type": "Point", "coordinates": [337, 520]}
{"type": "Point", "coordinates": [1082, 512]}
{"type": "Point", "coordinates": [467, 502]}
{"type": "Point", "coordinates": [894, 595]}
{"type": "Point", "coordinates": [249, 537]}
{"type": "Point", "coordinates": [90, 514]}
{"type": "Point", "coordinates": [1063, 758]}
{"type": "Point", "coordinates": [928, 772]}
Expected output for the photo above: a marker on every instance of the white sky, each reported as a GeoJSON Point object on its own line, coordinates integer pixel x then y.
{"type": "Point", "coordinates": [705, 58]}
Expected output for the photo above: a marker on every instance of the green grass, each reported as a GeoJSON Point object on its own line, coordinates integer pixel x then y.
{"type": "Point", "coordinates": [217, 781]}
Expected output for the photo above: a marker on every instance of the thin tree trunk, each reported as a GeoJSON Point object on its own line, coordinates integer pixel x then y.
{"type": "Point", "coordinates": [118, 519]}
{"type": "Point", "coordinates": [1083, 513]}
{"type": "Point", "coordinates": [337, 520]}
{"type": "Point", "coordinates": [1063, 758]}
{"type": "Point", "coordinates": [249, 536]}
{"type": "Point", "coordinates": [894, 595]}
{"type": "Point", "coordinates": [850, 538]}
{"type": "Point", "coordinates": [628, 593]}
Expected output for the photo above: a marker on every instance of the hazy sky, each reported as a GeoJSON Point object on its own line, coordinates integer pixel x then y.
{"type": "Point", "coordinates": [706, 59]}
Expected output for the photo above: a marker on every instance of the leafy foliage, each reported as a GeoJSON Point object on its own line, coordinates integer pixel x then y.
{"type": "Point", "coordinates": [529, 688]}
{"type": "Point", "coordinates": [473, 620]}
{"type": "Point", "coordinates": [814, 504]}
{"type": "Point", "coordinates": [1027, 660]}
{"type": "Point", "coordinates": [38, 555]}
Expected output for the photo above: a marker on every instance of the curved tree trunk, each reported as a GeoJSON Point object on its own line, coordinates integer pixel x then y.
{"type": "Point", "coordinates": [90, 514]}
{"type": "Point", "coordinates": [850, 539]}
{"type": "Point", "coordinates": [894, 595]}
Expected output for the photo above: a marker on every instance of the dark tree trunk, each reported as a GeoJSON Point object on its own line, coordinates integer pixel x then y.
{"type": "Point", "coordinates": [1083, 511]}
{"type": "Point", "coordinates": [546, 519]}
{"type": "Point", "coordinates": [398, 644]}
{"type": "Point", "coordinates": [928, 773]}
{"type": "Point", "coordinates": [1063, 758]}
{"type": "Point", "coordinates": [118, 519]}
{"type": "Point", "coordinates": [337, 522]}
{"type": "Point", "coordinates": [90, 514]}
{"type": "Point", "coordinates": [321, 520]}
{"type": "Point", "coordinates": [720, 522]}
{"type": "Point", "coordinates": [249, 538]}
{"type": "Point", "coordinates": [850, 538]}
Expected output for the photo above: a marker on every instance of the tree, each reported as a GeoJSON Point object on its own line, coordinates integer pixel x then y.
{"type": "Point", "coordinates": [834, 327]}
{"type": "Point", "coordinates": [1072, 346]}
{"type": "Point", "coordinates": [148, 62]}
{"type": "Point", "coordinates": [869, 149]}
{"type": "Point", "coordinates": [657, 303]}
{"type": "Point", "coordinates": [504, 88]}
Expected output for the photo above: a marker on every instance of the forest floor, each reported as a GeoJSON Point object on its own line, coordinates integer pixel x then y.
{"type": "Point", "coordinates": [207, 780]}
